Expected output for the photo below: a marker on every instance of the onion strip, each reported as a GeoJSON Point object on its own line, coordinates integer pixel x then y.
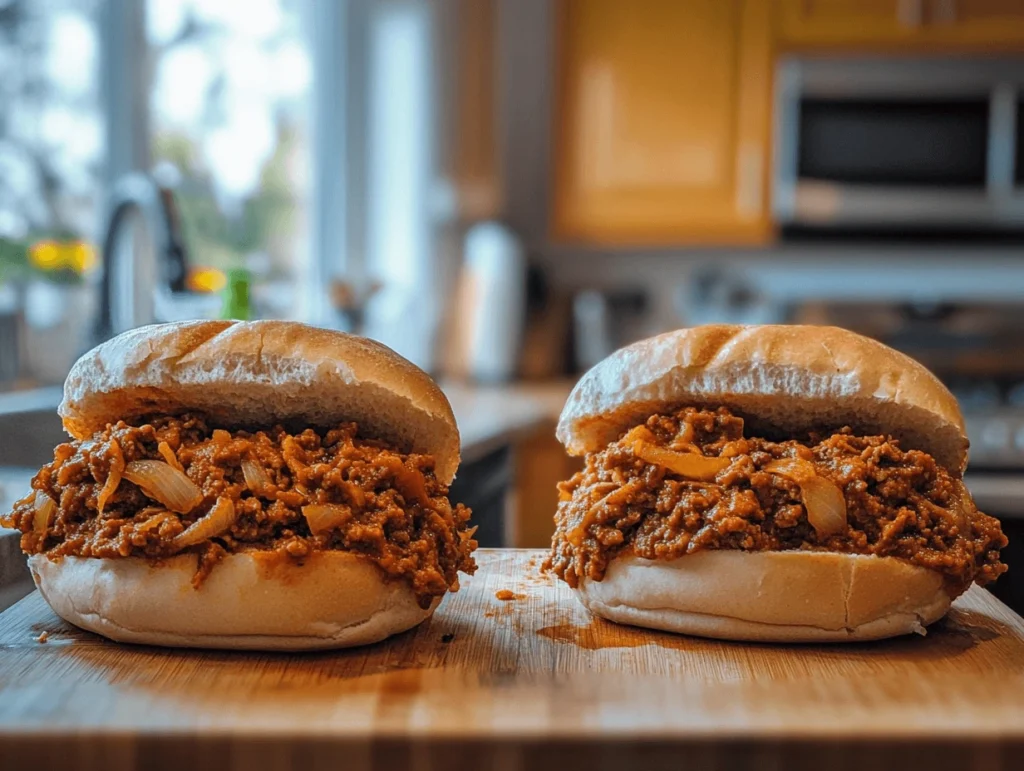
{"type": "Point", "coordinates": [636, 434]}
{"type": "Point", "coordinates": [322, 517]}
{"type": "Point", "coordinates": [220, 519]}
{"type": "Point", "coordinates": [164, 483]}
{"type": "Point", "coordinates": [822, 498]}
{"type": "Point", "coordinates": [168, 455]}
{"type": "Point", "coordinates": [617, 497]}
{"type": "Point", "coordinates": [45, 510]}
{"type": "Point", "coordinates": [256, 478]}
{"type": "Point", "coordinates": [354, 492]}
{"type": "Point", "coordinates": [686, 464]}
{"type": "Point", "coordinates": [158, 518]}
{"type": "Point", "coordinates": [410, 484]}
{"type": "Point", "coordinates": [113, 477]}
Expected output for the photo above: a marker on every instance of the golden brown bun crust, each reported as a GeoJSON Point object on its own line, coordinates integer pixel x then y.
{"type": "Point", "coordinates": [779, 378]}
{"type": "Point", "coordinates": [251, 601]}
{"type": "Point", "coordinates": [784, 596]}
{"type": "Point", "coordinates": [257, 373]}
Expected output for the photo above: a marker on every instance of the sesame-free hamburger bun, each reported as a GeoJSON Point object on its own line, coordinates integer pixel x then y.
{"type": "Point", "coordinates": [276, 579]}
{"type": "Point", "coordinates": [783, 382]}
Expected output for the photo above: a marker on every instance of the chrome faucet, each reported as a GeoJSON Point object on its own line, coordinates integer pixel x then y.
{"type": "Point", "coordinates": [121, 282]}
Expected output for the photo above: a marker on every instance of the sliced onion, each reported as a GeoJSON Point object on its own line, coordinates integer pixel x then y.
{"type": "Point", "coordinates": [158, 518]}
{"type": "Point", "coordinates": [639, 433]}
{"type": "Point", "coordinates": [794, 469]}
{"type": "Point", "coordinates": [616, 497]}
{"type": "Point", "coordinates": [326, 516]}
{"type": "Point", "coordinates": [682, 443]}
{"type": "Point", "coordinates": [46, 510]}
{"type": "Point", "coordinates": [293, 455]}
{"type": "Point", "coordinates": [824, 501]}
{"type": "Point", "coordinates": [687, 464]}
{"type": "Point", "coordinates": [113, 477]}
{"type": "Point", "coordinates": [410, 483]}
{"type": "Point", "coordinates": [256, 478]}
{"type": "Point", "coordinates": [164, 483]}
{"type": "Point", "coordinates": [168, 455]}
{"type": "Point", "coordinates": [961, 509]}
{"type": "Point", "coordinates": [220, 519]}
{"type": "Point", "coordinates": [355, 493]}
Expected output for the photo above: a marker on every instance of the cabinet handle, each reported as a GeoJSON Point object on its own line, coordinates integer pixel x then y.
{"type": "Point", "coordinates": [945, 11]}
{"type": "Point", "coordinates": [910, 12]}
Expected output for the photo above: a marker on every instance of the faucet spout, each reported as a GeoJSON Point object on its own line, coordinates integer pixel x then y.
{"type": "Point", "coordinates": [139, 194]}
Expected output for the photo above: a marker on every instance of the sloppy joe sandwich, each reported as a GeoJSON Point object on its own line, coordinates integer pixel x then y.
{"type": "Point", "coordinates": [776, 483]}
{"type": "Point", "coordinates": [261, 485]}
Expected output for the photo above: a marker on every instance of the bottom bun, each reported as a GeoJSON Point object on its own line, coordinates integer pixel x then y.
{"type": "Point", "coordinates": [783, 596]}
{"type": "Point", "coordinates": [250, 601]}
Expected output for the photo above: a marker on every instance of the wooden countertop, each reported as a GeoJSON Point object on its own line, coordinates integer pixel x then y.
{"type": "Point", "coordinates": [527, 683]}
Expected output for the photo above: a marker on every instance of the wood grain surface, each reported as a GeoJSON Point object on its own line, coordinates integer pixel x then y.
{"type": "Point", "coordinates": [526, 682]}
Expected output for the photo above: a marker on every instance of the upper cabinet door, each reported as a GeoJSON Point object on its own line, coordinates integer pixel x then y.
{"type": "Point", "coordinates": [663, 121]}
{"type": "Point", "coordinates": [855, 22]}
{"type": "Point", "coordinates": [979, 23]}
{"type": "Point", "coordinates": [928, 25]}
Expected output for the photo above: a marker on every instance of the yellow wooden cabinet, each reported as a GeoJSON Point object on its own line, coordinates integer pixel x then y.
{"type": "Point", "coordinates": [840, 22]}
{"type": "Point", "coordinates": [663, 121]}
{"type": "Point", "coordinates": [980, 23]}
{"type": "Point", "coordinates": [902, 25]}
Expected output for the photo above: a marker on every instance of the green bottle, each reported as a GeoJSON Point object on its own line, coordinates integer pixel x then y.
{"type": "Point", "coordinates": [236, 296]}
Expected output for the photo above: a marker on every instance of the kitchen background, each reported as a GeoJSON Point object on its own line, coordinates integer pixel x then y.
{"type": "Point", "coordinates": [507, 190]}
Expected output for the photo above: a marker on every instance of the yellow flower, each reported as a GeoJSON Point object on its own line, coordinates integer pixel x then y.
{"type": "Point", "coordinates": [206, 280]}
{"type": "Point", "coordinates": [49, 255]}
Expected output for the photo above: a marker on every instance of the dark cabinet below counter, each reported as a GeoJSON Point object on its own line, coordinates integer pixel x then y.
{"type": "Point", "coordinates": [484, 486]}
{"type": "Point", "coordinates": [15, 580]}
{"type": "Point", "coordinates": [1001, 495]}
{"type": "Point", "coordinates": [1010, 586]}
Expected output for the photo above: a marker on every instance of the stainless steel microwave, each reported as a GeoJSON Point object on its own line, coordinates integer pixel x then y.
{"type": "Point", "coordinates": [881, 143]}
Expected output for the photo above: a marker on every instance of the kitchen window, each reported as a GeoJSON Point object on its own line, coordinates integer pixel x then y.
{"type": "Point", "coordinates": [228, 103]}
{"type": "Point", "coordinates": [52, 147]}
{"type": "Point", "coordinates": [51, 127]}
{"type": "Point", "coordinates": [211, 98]}
{"type": "Point", "coordinates": [229, 128]}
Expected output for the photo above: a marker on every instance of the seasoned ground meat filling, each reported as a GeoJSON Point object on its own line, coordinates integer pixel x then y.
{"type": "Point", "coordinates": [899, 502]}
{"type": "Point", "coordinates": [383, 504]}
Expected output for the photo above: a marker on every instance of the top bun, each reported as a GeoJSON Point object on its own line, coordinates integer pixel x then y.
{"type": "Point", "coordinates": [258, 373]}
{"type": "Point", "coordinates": [781, 379]}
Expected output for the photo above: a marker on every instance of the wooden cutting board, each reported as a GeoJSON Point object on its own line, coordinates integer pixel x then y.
{"type": "Point", "coordinates": [528, 682]}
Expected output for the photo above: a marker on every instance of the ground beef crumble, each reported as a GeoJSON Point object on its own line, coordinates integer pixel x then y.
{"type": "Point", "coordinates": [900, 503]}
{"type": "Point", "coordinates": [400, 516]}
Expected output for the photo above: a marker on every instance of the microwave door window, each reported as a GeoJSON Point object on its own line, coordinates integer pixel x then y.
{"type": "Point", "coordinates": [934, 144]}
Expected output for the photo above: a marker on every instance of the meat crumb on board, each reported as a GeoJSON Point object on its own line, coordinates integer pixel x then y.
{"type": "Point", "coordinates": [506, 595]}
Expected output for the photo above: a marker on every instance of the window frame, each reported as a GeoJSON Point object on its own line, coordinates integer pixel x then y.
{"type": "Point", "coordinates": [125, 80]}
